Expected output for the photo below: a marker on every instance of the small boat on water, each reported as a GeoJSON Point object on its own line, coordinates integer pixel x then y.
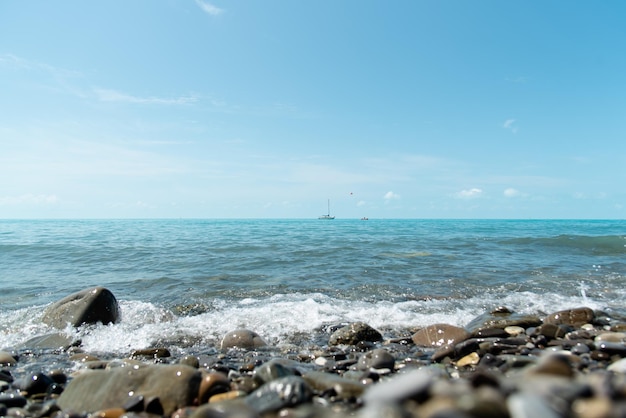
{"type": "Point", "coordinates": [328, 215]}
{"type": "Point", "coordinates": [365, 218]}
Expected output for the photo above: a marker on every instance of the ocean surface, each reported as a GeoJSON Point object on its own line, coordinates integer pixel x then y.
{"type": "Point", "coordinates": [185, 283]}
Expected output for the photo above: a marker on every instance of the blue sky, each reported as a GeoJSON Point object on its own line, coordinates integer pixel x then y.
{"type": "Point", "coordinates": [266, 109]}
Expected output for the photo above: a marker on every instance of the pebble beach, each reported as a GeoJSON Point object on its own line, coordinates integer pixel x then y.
{"type": "Point", "coordinates": [568, 363]}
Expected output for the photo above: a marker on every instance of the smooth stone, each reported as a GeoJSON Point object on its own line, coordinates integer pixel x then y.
{"type": "Point", "coordinates": [272, 370]}
{"type": "Point", "coordinates": [618, 367]}
{"type": "Point", "coordinates": [580, 348]}
{"type": "Point", "coordinates": [490, 333]}
{"type": "Point", "coordinates": [5, 377]}
{"type": "Point", "coordinates": [53, 341]}
{"type": "Point", "coordinates": [471, 359]}
{"type": "Point", "coordinates": [411, 384]}
{"type": "Point", "coordinates": [154, 353]}
{"type": "Point", "coordinates": [354, 333]}
{"type": "Point", "coordinates": [227, 409]}
{"type": "Point", "coordinates": [597, 407]}
{"type": "Point", "coordinates": [555, 364]}
{"type": "Point", "coordinates": [502, 320]}
{"type": "Point", "coordinates": [12, 400]}
{"type": "Point", "coordinates": [176, 386]}
{"type": "Point", "coordinates": [438, 335]}
{"type": "Point", "coordinates": [612, 348]}
{"type": "Point", "coordinates": [280, 393]}
{"type": "Point", "coordinates": [344, 388]}
{"type": "Point", "coordinates": [575, 317]}
{"type": "Point", "coordinates": [89, 306]}
{"type": "Point", "coordinates": [514, 330]}
{"type": "Point", "coordinates": [34, 384]}
{"type": "Point", "coordinates": [232, 394]}
{"type": "Point", "coordinates": [212, 384]}
{"type": "Point", "coordinates": [191, 361]}
{"type": "Point", "coordinates": [7, 359]}
{"type": "Point", "coordinates": [242, 338]}
{"type": "Point", "coordinates": [109, 413]}
{"type": "Point", "coordinates": [527, 405]}
{"type": "Point", "coordinates": [378, 358]}
{"type": "Point", "coordinates": [83, 358]}
{"type": "Point", "coordinates": [611, 337]}
{"type": "Point", "coordinates": [553, 330]}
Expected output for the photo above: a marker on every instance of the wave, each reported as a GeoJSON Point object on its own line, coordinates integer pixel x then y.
{"type": "Point", "coordinates": [609, 245]}
{"type": "Point", "coordinates": [282, 319]}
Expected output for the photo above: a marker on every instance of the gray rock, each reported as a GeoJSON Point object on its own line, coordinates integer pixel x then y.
{"type": "Point", "coordinates": [280, 393]}
{"type": "Point", "coordinates": [527, 405]}
{"type": "Point", "coordinates": [344, 388]}
{"type": "Point", "coordinates": [502, 320]}
{"type": "Point", "coordinates": [225, 409]}
{"type": "Point", "coordinates": [176, 386]}
{"type": "Point", "coordinates": [54, 341]}
{"type": "Point", "coordinates": [354, 333]}
{"type": "Point", "coordinates": [272, 370]}
{"type": "Point", "coordinates": [376, 359]}
{"type": "Point", "coordinates": [89, 306]}
{"type": "Point", "coordinates": [413, 384]}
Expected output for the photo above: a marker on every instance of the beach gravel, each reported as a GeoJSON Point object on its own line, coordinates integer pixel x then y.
{"type": "Point", "coordinates": [568, 363]}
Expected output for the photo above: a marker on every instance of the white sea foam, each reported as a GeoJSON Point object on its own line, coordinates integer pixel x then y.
{"type": "Point", "coordinates": [279, 317]}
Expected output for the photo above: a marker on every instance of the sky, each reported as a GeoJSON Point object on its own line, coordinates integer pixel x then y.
{"type": "Point", "coordinates": [273, 108]}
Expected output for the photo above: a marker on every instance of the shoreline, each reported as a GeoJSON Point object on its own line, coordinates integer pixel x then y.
{"type": "Point", "coordinates": [502, 364]}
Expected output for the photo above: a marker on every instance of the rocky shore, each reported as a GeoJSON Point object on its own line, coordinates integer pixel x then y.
{"type": "Point", "coordinates": [502, 364]}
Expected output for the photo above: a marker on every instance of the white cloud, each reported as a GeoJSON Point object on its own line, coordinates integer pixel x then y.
{"type": "Point", "coordinates": [391, 195]}
{"type": "Point", "coordinates": [107, 95]}
{"type": "Point", "coordinates": [208, 8]}
{"type": "Point", "coordinates": [510, 125]}
{"type": "Point", "coordinates": [511, 192]}
{"type": "Point", "coordinates": [29, 199]}
{"type": "Point", "coordinates": [469, 193]}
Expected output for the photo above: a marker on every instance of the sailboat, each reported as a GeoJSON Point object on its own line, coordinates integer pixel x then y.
{"type": "Point", "coordinates": [327, 216]}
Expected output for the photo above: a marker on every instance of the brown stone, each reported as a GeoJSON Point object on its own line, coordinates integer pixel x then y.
{"type": "Point", "coordinates": [575, 317]}
{"type": "Point", "coordinates": [212, 383]}
{"type": "Point", "coordinates": [439, 335]}
{"type": "Point", "coordinates": [242, 338]}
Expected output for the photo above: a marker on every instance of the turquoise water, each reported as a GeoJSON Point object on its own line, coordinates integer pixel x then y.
{"type": "Point", "coordinates": [287, 276]}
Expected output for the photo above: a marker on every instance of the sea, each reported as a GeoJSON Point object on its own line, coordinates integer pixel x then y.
{"type": "Point", "coordinates": [184, 283]}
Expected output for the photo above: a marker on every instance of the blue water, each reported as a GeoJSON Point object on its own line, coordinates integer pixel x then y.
{"type": "Point", "coordinates": [281, 277]}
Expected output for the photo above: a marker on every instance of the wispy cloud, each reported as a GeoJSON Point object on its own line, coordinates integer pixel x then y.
{"type": "Point", "coordinates": [391, 195]}
{"type": "Point", "coordinates": [209, 8]}
{"type": "Point", "coordinates": [469, 193]}
{"type": "Point", "coordinates": [107, 95]}
{"type": "Point", "coordinates": [510, 125]}
{"type": "Point", "coordinates": [29, 199]}
{"type": "Point", "coordinates": [22, 64]}
{"type": "Point", "coordinates": [511, 192]}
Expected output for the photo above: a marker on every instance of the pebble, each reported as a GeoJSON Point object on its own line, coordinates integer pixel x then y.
{"type": "Point", "coordinates": [570, 363]}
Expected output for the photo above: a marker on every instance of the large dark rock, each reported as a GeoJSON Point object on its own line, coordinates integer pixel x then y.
{"type": "Point", "coordinates": [89, 306]}
{"type": "Point", "coordinates": [175, 386]}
